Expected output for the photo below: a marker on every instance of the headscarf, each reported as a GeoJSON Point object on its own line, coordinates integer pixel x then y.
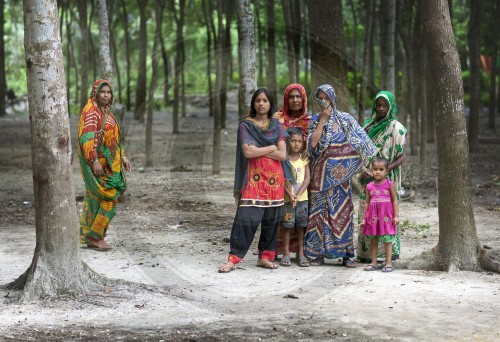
{"type": "Point", "coordinates": [376, 127]}
{"type": "Point", "coordinates": [271, 136]}
{"type": "Point", "coordinates": [284, 116]}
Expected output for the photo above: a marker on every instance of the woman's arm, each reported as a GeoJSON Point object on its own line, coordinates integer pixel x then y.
{"type": "Point", "coordinates": [395, 204]}
{"type": "Point", "coordinates": [398, 161]}
{"type": "Point", "coordinates": [280, 154]}
{"type": "Point", "coordinates": [252, 151]}
{"type": "Point", "coordinates": [324, 114]}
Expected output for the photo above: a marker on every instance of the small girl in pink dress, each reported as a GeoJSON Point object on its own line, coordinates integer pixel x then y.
{"type": "Point", "coordinates": [382, 213]}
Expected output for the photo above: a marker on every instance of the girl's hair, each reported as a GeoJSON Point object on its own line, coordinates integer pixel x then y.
{"type": "Point", "coordinates": [269, 95]}
{"type": "Point", "coordinates": [381, 160]}
{"type": "Point", "coordinates": [295, 131]}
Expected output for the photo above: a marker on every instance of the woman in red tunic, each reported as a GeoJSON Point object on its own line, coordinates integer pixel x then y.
{"type": "Point", "coordinates": [259, 185]}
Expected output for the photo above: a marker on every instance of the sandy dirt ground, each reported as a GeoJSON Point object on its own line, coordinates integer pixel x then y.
{"type": "Point", "coordinates": [172, 232]}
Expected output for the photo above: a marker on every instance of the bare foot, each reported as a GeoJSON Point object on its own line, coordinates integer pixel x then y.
{"type": "Point", "coordinates": [227, 267]}
{"type": "Point", "coordinates": [264, 263]}
{"type": "Point", "coordinates": [98, 244]}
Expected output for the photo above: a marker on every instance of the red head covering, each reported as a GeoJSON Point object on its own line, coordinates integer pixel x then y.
{"type": "Point", "coordinates": [286, 119]}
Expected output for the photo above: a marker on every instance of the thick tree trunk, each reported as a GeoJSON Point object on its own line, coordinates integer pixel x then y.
{"type": "Point", "coordinates": [492, 110]}
{"type": "Point", "coordinates": [105, 64]}
{"type": "Point", "coordinates": [246, 56]}
{"type": "Point", "coordinates": [458, 247]}
{"type": "Point", "coordinates": [140, 91]}
{"type": "Point", "coordinates": [271, 54]}
{"type": "Point", "coordinates": [328, 59]}
{"type": "Point", "coordinates": [84, 53]}
{"type": "Point", "coordinates": [155, 56]}
{"type": "Point", "coordinates": [369, 22]}
{"type": "Point", "coordinates": [474, 38]}
{"type": "Point", "coordinates": [56, 267]}
{"type": "Point", "coordinates": [389, 37]}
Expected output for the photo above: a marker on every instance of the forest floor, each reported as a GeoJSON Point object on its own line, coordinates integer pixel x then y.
{"type": "Point", "coordinates": [172, 232]}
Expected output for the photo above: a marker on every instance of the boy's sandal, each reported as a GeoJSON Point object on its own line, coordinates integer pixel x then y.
{"type": "Point", "coordinates": [285, 261]}
{"type": "Point", "coordinates": [388, 269]}
{"type": "Point", "coordinates": [226, 268]}
{"type": "Point", "coordinates": [303, 262]}
{"type": "Point", "coordinates": [371, 268]}
{"type": "Point", "coordinates": [348, 263]}
{"type": "Point", "coordinates": [316, 262]}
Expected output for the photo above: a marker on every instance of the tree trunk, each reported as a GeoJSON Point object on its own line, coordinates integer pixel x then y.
{"type": "Point", "coordinates": [127, 54]}
{"type": "Point", "coordinates": [179, 20]}
{"type": "Point", "coordinates": [84, 52]}
{"type": "Point", "coordinates": [56, 267]}
{"type": "Point", "coordinates": [155, 56]}
{"type": "Point", "coordinates": [369, 22]}
{"type": "Point", "coordinates": [260, 55]}
{"type": "Point", "coordinates": [216, 138]}
{"type": "Point", "coordinates": [388, 23]}
{"type": "Point", "coordinates": [423, 84]}
{"type": "Point", "coordinates": [291, 14]}
{"type": "Point", "coordinates": [494, 67]}
{"type": "Point", "coordinates": [226, 61]}
{"type": "Point", "coordinates": [458, 247]}
{"type": "Point", "coordinates": [474, 37]}
{"type": "Point", "coordinates": [3, 82]}
{"type": "Point", "coordinates": [140, 91]}
{"type": "Point", "coordinates": [164, 57]}
{"type": "Point", "coordinates": [104, 54]}
{"type": "Point", "coordinates": [271, 54]}
{"type": "Point", "coordinates": [354, 65]}
{"type": "Point", "coordinates": [114, 54]}
{"type": "Point", "coordinates": [209, 31]}
{"type": "Point", "coordinates": [246, 56]}
{"type": "Point", "coordinates": [328, 59]}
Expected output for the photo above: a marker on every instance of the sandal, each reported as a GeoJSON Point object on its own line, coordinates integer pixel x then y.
{"type": "Point", "coordinates": [371, 268]}
{"type": "Point", "coordinates": [264, 263]}
{"type": "Point", "coordinates": [303, 262]}
{"type": "Point", "coordinates": [348, 263]}
{"type": "Point", "coordinates": [388, 269]}
{"type": "Point", "coordinates": [226, 268]}
{"type": "Point", "coordinates": [285, 261]}
{"type": "Point", "coordinates": [316, 262]}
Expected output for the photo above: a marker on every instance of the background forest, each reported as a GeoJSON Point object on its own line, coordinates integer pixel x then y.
{"type": "Point", "coordinates": [194, 33]}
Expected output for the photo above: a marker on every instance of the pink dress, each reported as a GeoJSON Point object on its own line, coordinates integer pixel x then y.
{"type": "Point", "coordinates": [378, 217]}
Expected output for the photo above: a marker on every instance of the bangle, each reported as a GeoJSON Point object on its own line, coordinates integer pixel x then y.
{"type": "Point", "coordinates": [95, 161]}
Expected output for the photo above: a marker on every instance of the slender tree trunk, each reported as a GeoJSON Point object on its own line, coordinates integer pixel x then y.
{"type": "Point", "coordinates": [246, 57]}
{"type": "Point", "coordinates": [328, 59]}
{"type": "Point", "coordinates": [458, 247]}
{"type": "Point", "coordinates": [423, 63]}
{"type": "Point", "coordinates": [260, 54]}
{"type": "Point", "coordinates": [127, 54]}
{"type": "Point", "coordinates": [164, 57]}
{"type": "Point", "coordinates": [155, 56]}
{"type": "Point", "coordinates": [369, 22]}
{"type": "Point", "coordinates": [388, 55]}
{"type": "Point", "coordinates": [216, 139]}
{"type": "Point", "coordinates": [179, 20]}
{"type": "Point", "coordinates": [56, 267]}
{"type": "Point", "coordinates": [106, 66]}
{"type": "Point", "coordinates": [474, 37]}
{"type": "Point", "coordinates": [114, 53]}
{"type": "Point", "coordinates": [209, 26]}
{"type": "Point", "coordinates": [494, 67]}
{"type": "Point", "coordinates": [226, 61]}
{"type": "Point", "coordinates": [415, 41]}
{"type": "Point", "coordinates": [271, 53]}
{"type": "Point", "coordinates": [140, 91]}
{"type": "Point", "coordinates": [3, 81]}
{"type": "Point", "coordinates": [292, 30]}
{"type": "Point", "coordinates": [354, 60]}
{"type": "Point", "coordinates": [84, 53]}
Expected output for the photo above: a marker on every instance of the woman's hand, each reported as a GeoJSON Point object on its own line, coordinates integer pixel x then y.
{"type": "Point", "coordinates": [97, 168]}
{"type": "Point", "coordinates": [126, 164]}
{"type": "Point", "coordinates": [366, 173]}
{"type": "Point", "coordinates": [324, 113]}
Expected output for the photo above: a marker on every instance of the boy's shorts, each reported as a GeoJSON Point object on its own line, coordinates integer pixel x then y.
{"type": "Point", "coordinates": [294, 217]}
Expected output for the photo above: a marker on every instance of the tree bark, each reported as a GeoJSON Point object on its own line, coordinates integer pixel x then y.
{"type": "Point", "coordinates": [246, 56]}
{"type": "Point", "coordinates": [271, 48]}
{"type": "Point", "coordinates": [179, 20]}
{"type": "Point", "coordinates": [207, 17]}
{"type": "Point", "coordinates": [389, 37]}
{"type": "Point", "coordinates": [127, 53]}
{"type": "Point", "coordinates": [260, 39]}
{"type": "Point", "coordinates": [140, 91]}
{"type": "Point", "coordinates": [3, 81]}
{"type": "Point", "coordinates": [369, 22]}
{"type": "Point", "coordinates": [291, 14]}
{"type": "Point", "coordinates": [56, 267]}
{"type": "Point", "coordinates": [84, 52]}
{"type": "Point", "coordinates": [226, 61]}
{"type": "Point", "coordinates": [474, 37]}
{"type": "Point", "coordinates": [216, 138]}
{"type": "Point", "coordinates": [328, 58]}
{"type": "Point", "coordinates": [458, 247]}
{"type": "Point", "coordinates": [492, 110]}
{"type": "Point", "coordinates": [105, 64]}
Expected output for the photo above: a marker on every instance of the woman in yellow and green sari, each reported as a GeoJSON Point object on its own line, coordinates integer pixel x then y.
{"type": "Point", "coordinates": [389, 136]}
{"type": "Point", "coordinates": [102, 163]}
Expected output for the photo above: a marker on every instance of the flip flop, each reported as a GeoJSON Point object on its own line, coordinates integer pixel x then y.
{"type": "Point", "coordinates": [316, 262]}
{"type": "Point", "coordinates": [303, 262]}
{"type": "Point", "coordinates": [348, 263]}
{"type": "Point", "coordinates": [225, 268]}
{"type": "Point", "coordinates": [285, 261]}
{"type": "Point", "coordinates": [387, 269]}
{"type": "Point", "coordinates": [371, 268]}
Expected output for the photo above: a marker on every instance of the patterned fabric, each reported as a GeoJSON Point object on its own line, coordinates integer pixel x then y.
{"type": "Point", "coordinates": [389, 137]}
{"type": "Point", "coordinates": [379, 216]}
{"type": "Point", "coordinates": [260, 181]}
{"type": "Point", "coordinates": [99, 138]}
{"type": "Point", "coordinates": [339, 154]}
{"type": "Point", "coordinates": [284, 116]}
{"type": "Point", "coordinates": [300, 169]}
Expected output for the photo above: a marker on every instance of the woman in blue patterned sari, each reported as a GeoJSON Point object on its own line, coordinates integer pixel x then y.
{"type": "Point", "coordinates": [338, 147]}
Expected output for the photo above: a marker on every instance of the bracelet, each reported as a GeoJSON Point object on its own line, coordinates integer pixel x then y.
{"type": "Point", "coordinates": [95, 161]}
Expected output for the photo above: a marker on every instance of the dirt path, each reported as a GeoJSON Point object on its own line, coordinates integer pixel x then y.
{"type": "Point", "coordinates": [172, 232]}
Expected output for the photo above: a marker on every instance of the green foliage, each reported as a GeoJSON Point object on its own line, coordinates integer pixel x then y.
{"type": "Point", "coordinates": [414, 225]}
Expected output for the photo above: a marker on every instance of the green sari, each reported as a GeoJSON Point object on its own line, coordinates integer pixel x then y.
{"type": "Point", "coordinates": [388, 136]}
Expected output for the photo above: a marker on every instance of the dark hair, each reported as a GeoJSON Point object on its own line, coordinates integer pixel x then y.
{"type": "Point", "coordinates": [381, 160]}
{"type": "Point", "coordinates": [295, 131]}
{"type": "Point", "coordinates": [269, 96]}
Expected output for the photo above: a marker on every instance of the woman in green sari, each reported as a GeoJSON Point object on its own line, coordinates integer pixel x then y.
{"type": "Point", "coordinates": [388, 134]}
